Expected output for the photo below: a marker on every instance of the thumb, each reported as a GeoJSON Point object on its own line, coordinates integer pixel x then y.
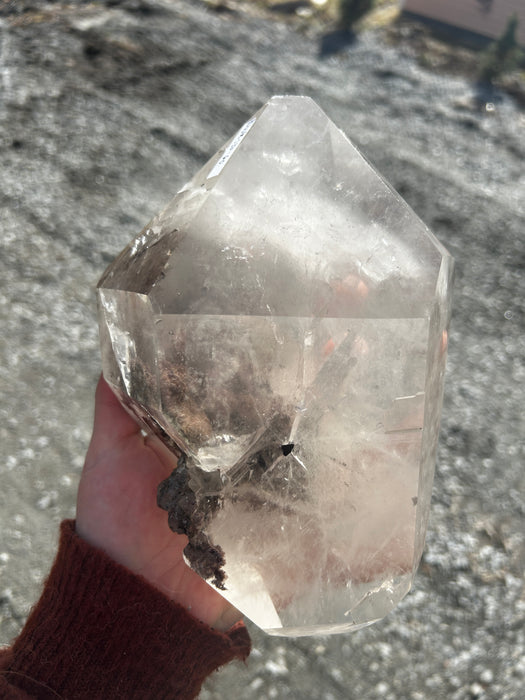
{"type": "Point", "coordinates": [112, 423]}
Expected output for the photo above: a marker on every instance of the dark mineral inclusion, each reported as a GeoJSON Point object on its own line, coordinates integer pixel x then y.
{"type": "Point", "coordinates": [188, 514]}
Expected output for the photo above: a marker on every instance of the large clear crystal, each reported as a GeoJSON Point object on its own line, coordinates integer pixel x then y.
{"type": "Point", "coordinates": [284, 323]}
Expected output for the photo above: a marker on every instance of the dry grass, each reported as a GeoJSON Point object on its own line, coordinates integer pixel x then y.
{"type": "Point", "coordinates": [314, 11]}
{"type": "Point", "coordinates": [432, 52]}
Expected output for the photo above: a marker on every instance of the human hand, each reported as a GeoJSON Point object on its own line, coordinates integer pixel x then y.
{"type": "Point", "coordinates": [117, 511]}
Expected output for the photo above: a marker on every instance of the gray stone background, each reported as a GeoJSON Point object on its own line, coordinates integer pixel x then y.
{"type": "Point", "coordinates": [106, 109]}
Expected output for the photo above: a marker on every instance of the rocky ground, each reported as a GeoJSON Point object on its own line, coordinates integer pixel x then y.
{"type": "Point", "coordinates": [105, 110]}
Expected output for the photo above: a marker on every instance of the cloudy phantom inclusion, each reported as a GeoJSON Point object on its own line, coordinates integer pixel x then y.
{"type": "Point", "coordinates": [283, 322]}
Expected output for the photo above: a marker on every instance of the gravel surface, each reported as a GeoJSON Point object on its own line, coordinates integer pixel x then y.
{"type": "Point", "coordinates": [105, 111]}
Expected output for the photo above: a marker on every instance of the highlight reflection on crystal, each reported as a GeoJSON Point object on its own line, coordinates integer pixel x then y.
{"type": "Point", "coordinates": [283, 322]}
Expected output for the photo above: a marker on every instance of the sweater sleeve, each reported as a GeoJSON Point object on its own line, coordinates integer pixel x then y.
{"type": "Point", "coordinates": [100, 632]}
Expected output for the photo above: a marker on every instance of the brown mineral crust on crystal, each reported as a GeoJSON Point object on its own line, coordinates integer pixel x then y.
{"type": "Point", "coordinates": [197, 403]}
{"type": "Point", "coordinates": [188, 514]}
{"type": "Point", "coordinates": [182, 410]}
{"type": "Point", "coordinates": [143, 383]}
{"type": "Point", "coordinates": [207, 560]}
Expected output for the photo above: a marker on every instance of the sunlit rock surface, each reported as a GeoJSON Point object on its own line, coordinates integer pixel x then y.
{"type": "Point", "coordinates": [283, 322]}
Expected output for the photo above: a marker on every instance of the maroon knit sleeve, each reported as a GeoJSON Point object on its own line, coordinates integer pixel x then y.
{"type": "Point", "coordinates": [100, 632]}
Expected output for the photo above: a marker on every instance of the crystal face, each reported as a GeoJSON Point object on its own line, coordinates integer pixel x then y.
{"type": "Point", "coordinates": [283, 322]}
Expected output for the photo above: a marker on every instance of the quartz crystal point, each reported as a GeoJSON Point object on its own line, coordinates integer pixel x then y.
{"type": "Point", "coordinates": [283, 323]}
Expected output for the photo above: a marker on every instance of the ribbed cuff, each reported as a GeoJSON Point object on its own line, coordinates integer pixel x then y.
{"type": "Point", "coordinates": [100, 632]}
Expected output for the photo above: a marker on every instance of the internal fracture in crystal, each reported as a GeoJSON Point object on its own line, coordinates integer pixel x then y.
{"type": "Point", "coordinates": [283, 324]}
